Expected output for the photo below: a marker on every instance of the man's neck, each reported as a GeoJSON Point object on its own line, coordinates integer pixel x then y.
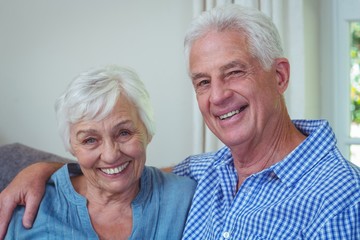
{"type": "Point", "coordinates": [273, 147]}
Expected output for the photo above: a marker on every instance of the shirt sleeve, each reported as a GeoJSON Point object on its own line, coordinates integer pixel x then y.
{"type": "Point", "coordinates": [194, 166]}
{"type": "Point", "coordinates": [183, 168]}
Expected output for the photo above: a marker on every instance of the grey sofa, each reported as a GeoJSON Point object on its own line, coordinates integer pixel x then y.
{"type": "Point", "coordinates": [16, 156]}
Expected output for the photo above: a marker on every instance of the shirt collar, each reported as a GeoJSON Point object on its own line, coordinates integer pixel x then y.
{"type": "Point", "coordinates": [319, 142]}
{"type": "Point", "coordinates": [145, 187]}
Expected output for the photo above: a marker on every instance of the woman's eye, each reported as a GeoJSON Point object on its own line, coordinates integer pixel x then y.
{"type": "Point", "coordinates": [124, 133]}
{"type": "Point", "coordinates": [89, 141]}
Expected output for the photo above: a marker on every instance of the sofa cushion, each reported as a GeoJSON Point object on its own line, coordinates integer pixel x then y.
{"type": "Point", "coordinates": [16, 156]}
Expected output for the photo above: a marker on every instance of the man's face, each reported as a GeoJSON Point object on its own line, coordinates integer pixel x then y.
{"type": "Point", "coordinates": [236, 96]}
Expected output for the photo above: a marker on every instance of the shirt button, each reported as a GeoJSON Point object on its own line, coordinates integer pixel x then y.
{"type": "Point", "coordinates": [226, 235]}
{"type": "Point", "coordinates": [272, 175]}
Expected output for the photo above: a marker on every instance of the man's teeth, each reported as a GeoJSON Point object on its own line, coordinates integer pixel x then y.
{"type": "Point", "coordinates": [116, 170]}
{"type": "Point", "coordinates": [229, 114]}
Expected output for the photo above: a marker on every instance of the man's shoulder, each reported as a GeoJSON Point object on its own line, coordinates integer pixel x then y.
{"type": "Point", "coordinates": [211, 158]}
{"type": "Point", "coordinates": [198, 165]}
{"type": "Point", "coordinates": [337, 167]}
{"type": "Point", "coordinates": [203, 159]}
{"type": "Point", "coordinates": [348, 170]}
{"type": "Point", "coordinates": [337, 184]}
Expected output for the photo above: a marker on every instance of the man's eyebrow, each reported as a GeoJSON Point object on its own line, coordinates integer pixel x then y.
{"type": "Point", "coordinates": [232, 64]}
{"type": "Point", "coordinates": [195, 76]}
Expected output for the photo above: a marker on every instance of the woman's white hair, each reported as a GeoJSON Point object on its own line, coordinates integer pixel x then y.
{"type": "Point", "coordinates": [92, 95]}
{"type": "Point", "coordinates": [262, 35]}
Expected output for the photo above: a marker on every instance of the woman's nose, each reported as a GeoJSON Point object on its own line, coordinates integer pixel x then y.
{"type": "Point", "coordinates": [110, 151]}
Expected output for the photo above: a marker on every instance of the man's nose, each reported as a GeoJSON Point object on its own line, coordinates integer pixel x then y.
{"type": "Point", "coordinates": [219, 92]}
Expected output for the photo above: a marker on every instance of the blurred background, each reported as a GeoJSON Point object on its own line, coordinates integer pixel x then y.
{"type": "Point", "coordinates": [45, 43]}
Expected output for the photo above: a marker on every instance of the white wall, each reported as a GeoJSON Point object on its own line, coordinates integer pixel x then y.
{"type": "Point", "coordinates": [312, 60]}
{"type": "Point", "coordinates": [45, 43]}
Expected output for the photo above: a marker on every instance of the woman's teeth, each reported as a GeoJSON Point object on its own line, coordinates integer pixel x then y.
{"type": "Point", "coordinates": [229, 114]}
{"type": "Point", "coordinates": [116, 170]}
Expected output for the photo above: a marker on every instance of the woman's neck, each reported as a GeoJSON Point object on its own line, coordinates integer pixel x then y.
{"type": "Point", "coordinates": [110, 214]}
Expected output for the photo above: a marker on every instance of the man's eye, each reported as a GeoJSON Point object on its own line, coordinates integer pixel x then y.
{"type": "Point", "coordinates": [202, 83]}
{"type": "Point", "coordinates": [235, 73]}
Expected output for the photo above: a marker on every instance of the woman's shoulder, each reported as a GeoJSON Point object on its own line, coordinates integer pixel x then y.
{"type": "Point", "coordinates": [169, 180]}
{"type": "Point", "coordinates": [60, 187]}
{"type": "Point", "coordinates": [169, 190]}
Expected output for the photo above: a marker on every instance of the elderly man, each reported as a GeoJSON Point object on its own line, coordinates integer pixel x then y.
{"type": "Point", "coordinates": [275, 178]}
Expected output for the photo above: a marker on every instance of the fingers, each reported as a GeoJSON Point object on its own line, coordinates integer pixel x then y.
{"type": "Point", "coordinates": [8, 203]}
{"type": "Point", "coordinates": [31, 209]}
{"type": "Point", "coordinates": [7, 206]}
{"type": "Point", "coordinates": [27, 188]}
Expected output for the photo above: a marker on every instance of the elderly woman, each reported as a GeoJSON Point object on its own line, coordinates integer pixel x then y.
{"type": "Point", "coordinates": [106, 122]}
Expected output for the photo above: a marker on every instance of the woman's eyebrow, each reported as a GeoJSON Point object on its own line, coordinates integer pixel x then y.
{"type": "Point", "coordinates": [86, 132]}
{"type": "Point", "coordinates": [122, 123]}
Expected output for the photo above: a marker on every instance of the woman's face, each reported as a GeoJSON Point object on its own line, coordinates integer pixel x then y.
{"type": "Point", "coordinates": [112, 152]}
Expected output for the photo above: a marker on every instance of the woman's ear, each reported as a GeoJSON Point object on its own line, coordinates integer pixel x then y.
{"type": "Point", "coordinates": [282, 68]}
{"type": "Point", "coordinates": [71, 151]}
{"type": "Point", "coordinates": [149, 138]}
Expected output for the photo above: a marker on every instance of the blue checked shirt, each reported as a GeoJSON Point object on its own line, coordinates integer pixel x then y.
{"type": "Point", "coordinates": [313, 193]}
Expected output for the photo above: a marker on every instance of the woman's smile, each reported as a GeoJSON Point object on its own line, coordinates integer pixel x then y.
{"type": "Point", "coordinates": [115, 170]}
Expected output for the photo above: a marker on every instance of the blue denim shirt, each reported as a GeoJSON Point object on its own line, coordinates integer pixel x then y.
{"type": "Point", "coordinates": [159, 210]}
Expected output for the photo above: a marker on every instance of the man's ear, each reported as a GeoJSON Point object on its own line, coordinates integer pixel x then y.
{"type": "Point", "coordinates": [282, 68]}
